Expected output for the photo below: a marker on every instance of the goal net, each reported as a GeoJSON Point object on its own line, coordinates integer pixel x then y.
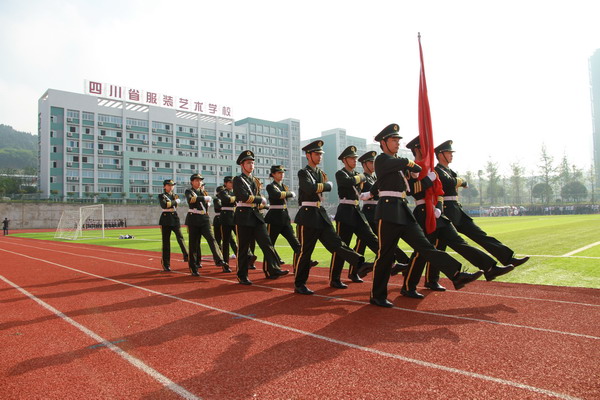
{"type": "Point", "coordinates": [84, 223]}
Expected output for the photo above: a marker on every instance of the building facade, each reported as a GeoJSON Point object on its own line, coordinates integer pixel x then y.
{"type": "Point", "coordinates": [98, 146]}
{"type": "Point", "coordinates": [594, 68]}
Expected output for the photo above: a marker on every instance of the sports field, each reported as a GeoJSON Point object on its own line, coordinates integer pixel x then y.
{"type": "Point", "coordinates": [564, 250]}
{"type": "Point", "coordinates": [85, 320]}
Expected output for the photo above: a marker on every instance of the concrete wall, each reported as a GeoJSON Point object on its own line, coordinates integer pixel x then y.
{"type": "Point", "coordinates": [47, 215]}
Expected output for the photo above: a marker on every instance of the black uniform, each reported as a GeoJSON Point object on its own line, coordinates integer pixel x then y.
{"type": "Point", "coordinates": [395, 221]}
{"type": "Point", "coordinates": [278, 219]}
{"type": "Point", "coordinates": [169, 222]}
{"type": "Point", "coordinates": [227, 200]}
{"type": "Point", "coordinates": [368, 209]}
{"type": "Point", "coordinates": [446, 233]}
{"type": "Point", "coordinates": [198, 223]}
{"type": "Point", "coordinates": [217, 227]}
{"type": "Point", "coordinates": [5, 226]}
{"type": "Point", "coordinates": [250, 225]}
{"type": "Point", "coordinates": [314, 224]}
{"type": "Point", "coordinates": [463, 223]}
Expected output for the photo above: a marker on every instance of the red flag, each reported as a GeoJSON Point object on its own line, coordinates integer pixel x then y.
{"type": "Point", "coordinates": [427, 152]}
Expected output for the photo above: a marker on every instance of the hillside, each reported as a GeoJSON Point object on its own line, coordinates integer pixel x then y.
{"type": "Point", "coordinates": [18, 150]}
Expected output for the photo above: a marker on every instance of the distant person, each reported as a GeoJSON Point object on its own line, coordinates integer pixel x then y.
{"type": "Point", "coordinates": [169, 222]}
{"type": "Point", "coordinates": [462, 222]}
{"type": "Point", "coordinates": [5, 226]}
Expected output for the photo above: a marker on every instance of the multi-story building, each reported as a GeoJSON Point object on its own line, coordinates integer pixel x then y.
{"type": "Point", "coordinates": [102, 144]}
{"type": "Point", "coordinates": [594, 68]}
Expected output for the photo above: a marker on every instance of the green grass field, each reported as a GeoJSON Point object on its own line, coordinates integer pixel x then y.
{"type": "Point", "coordinates": [548, 239]}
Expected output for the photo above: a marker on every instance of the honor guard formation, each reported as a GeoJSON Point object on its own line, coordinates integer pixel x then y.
{"type": "Point", "coordinates": [383, 218]}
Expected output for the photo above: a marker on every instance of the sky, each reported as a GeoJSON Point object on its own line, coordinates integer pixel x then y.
{"type": "Point", "coordinates": [504, 77]}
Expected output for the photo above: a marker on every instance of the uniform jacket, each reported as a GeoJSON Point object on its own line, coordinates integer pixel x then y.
{"type": "Point", "coordinates": [196, 201]}
{"type": "Point", "coordinates": [390, 170]}
{"type": "Point", "coordinates": [247, 190]}
{"type": "Point", "coordinates": [227, 200]}
{"type": "Point", "coordinates": [349, 187]}
{"type": "Point", "coordinates": [217, 207]}
{"type": "Point", "coordinates": [312, 182]}
{"type": "Point", "coordinates": [369, 209]}
{"type": "Point", "coordinates": [167, 202]}
{"type": "Point", "coordinates": [278, 195]}
{"type": "Point", "coordinates": [450, 183]}
{"type": "Point", "coordinates": [417, 190]}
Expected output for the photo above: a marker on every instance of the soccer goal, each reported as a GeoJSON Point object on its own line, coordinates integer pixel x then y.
{"type": "Point", "coordinates": [84, 223]}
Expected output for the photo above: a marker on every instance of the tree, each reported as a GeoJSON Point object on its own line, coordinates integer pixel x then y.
{"type": "Point", "coordinates": [480, 181]}
{"type": "Point", "coordinates": [494, 187]}
{"type": "Point", "coordinates": [516, 180]}
{"type": "Point", "coordinates": [547, 173]}
{"type": "Point", "coordinates": [564, 172]}
{"type": "Point", "coordinates": [542, 191]}
{"type": "Point", "coordinates": [574, 191]}
{"type": "Point", "coordinates": [470, 192]}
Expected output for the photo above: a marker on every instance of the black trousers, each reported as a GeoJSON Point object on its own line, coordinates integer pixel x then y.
{"type": "Point", "coordinates": [445, 235]}
{"type": "Point", "coordinates": [411, 233]}
{"type": "Point", "coordinates": [217, 231]}
{"type": "Point", "coordinates": [332, 242]}
{"type": "Point", "coordinates": [288, 233]}
{"type": "Point", "coordinates": [166, 243]}
{"type": "Point", "coordinates": [227, 241]}
{"type": "Point", "coordinates": [246, 236]}
{"type": "Point", "coordinates": [493, 246]}
{"type": "Point", "coordinates": [195, 233]}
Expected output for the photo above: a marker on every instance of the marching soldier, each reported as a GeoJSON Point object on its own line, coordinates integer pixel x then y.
{"type": "Point", "coordinates": [462, 222]}
{"type": "Point", "coordinates": [227, 209]}
{"type": "Point", "coordinates": [250, 223]}
{"type": "Point", "coordinates": [314, 223]}
{"type": "Point", "coordinates": [444, 233]}
{"type": "Point", "coordinates": [370, 203]}
{"type": "Point", "coordinates": [198, 223]}
{"type": "Point", "coordinates": [395, 221]}
{"type": "Point", "coordinates": [350, 219]}
{"type": "Point", "coordinates": [217, 223]}
{"type": "Point", "coordinates": [169, 222]}
{"type": "Point", "coordinates": [277, 218]}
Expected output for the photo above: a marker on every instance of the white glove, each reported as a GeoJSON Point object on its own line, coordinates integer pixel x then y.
{"type": "Point", "coordinates": [365, 195]}
{"type": "Point", "coordinates": [330, 183]}
{"type": "Point", "coordinates": [432, 176]}
{"type": "Point", "coordinates": [177, 201]}
{"type": "Point", "coordinates": [437, 212]}
{"type": "Point", "coordinates": [293, 194]}
{"type": "Point", "coordinates": [263, 201]}
{"type": "Point", "coordinates": [414, 174]}
{"type": "Point", "coordinates": [207, 199]}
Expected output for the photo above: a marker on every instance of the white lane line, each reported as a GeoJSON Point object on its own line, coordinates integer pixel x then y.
{"type": "Point", "coordinates": [589, 246]}
{"type": "Point", "coordinates": [320, 337]}
{"type": "Point", "coordinates": [75, 247]}
{"type": "Point", "coordinates": [325, 296]}
{"type": "Point", "coordinates": [136, 362]}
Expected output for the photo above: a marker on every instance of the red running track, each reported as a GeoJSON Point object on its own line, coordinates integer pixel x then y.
{"type": "Point", "coordinates": [90, 321]}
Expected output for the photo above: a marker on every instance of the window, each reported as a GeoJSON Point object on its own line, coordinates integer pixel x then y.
{"type": "Point", "coordinates": [167, 165]}
{"type": "Point", "coordinates": [157, 164]}
{"type": "Point", "coordinates": [54, 164]}
{"type": "Point", "coordinates": [87, 116]}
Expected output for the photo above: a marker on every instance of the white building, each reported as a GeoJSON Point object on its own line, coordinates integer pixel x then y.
{"type": "Point", "coordinates": [120, 142]}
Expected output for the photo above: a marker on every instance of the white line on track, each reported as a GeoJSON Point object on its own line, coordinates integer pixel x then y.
{"type": "Point", "coordinates": [136, 362]}
{"type": "Point", "coordinates": [316, 336]}
{"type": "Point", "coordinates": [589, 246]}
{"type": "Point", "coordinates": [457, 292]}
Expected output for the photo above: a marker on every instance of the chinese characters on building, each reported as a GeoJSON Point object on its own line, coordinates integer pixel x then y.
{"type": "Point", "coordinates": [156, 99]}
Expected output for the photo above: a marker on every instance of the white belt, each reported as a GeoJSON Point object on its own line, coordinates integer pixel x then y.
{"type": "Point", "coordinates": [450, 198]}
{"type": "Point", "coordinates": [168, 210]}
{"type": "Point", "coordinates": [419, 202]}
{"type": "Point", "coordinates": [217, 214]}
{"type": "Point", "coordinates": [392, 193]}
{"type": "Point", "coordinates": [311, 204]}
{"type": "Point", "coordinates": [346, 201]}
{"type": "Point", "coordinates": [240, 204]}
{"type": "Point", "coordinates": [196, 211]}
{"type": "Point", "coordinates": [365, 202]}
{"type": "Point", "coordinates": [278, 207]}
{"type": "Point", "coordinates": [227, 208]}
